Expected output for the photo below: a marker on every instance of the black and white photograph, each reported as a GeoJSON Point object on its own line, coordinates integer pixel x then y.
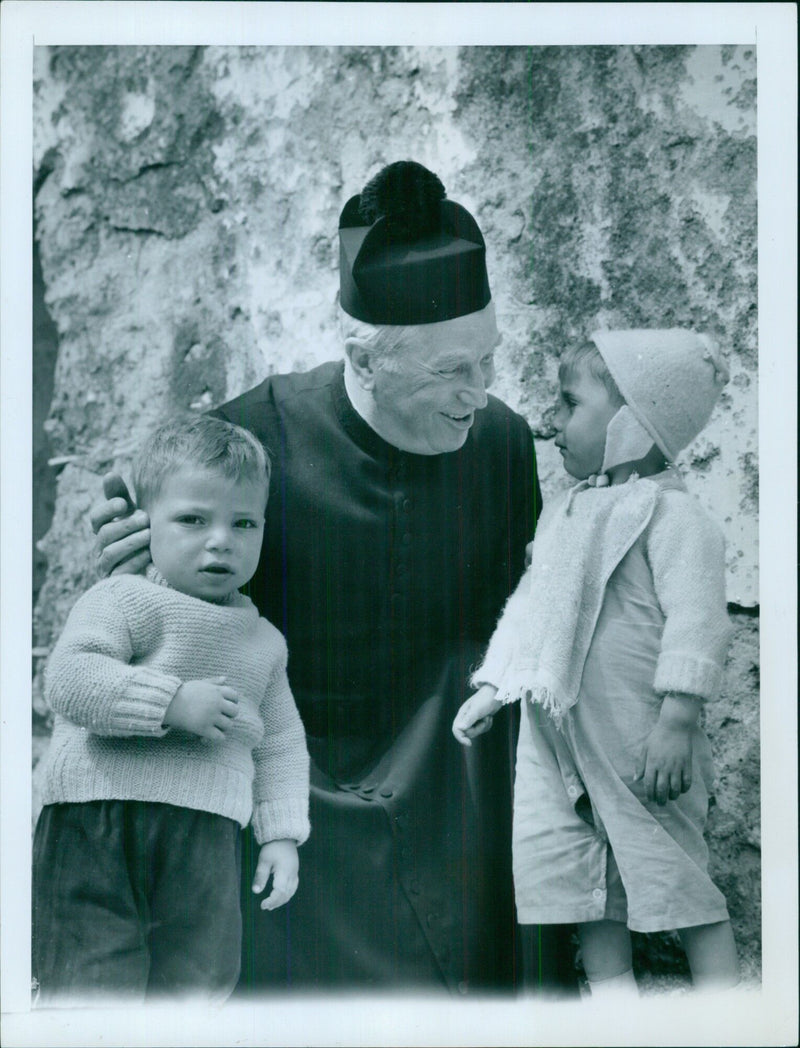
{"type": "Point", "coordinates": [399, 524]}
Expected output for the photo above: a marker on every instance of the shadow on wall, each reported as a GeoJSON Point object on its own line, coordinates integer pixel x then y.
{"type": "Point", "coordinates": [45, 351]}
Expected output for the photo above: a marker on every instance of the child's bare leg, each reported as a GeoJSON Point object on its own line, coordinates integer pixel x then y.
{"type": "Point", "coordinates": [711, 951]}
{"type": "Point", "coordinates": [607, 959]}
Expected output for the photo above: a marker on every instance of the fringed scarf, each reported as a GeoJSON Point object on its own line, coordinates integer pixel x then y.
{"type": "Point", "coordinates": [579, 542]}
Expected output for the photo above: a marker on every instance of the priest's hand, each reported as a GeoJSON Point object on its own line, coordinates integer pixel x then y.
{"type": "Point", "coordinates": [123, 532]}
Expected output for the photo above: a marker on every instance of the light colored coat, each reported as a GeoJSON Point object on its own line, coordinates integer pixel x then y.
{"type": "Point", "coordinates": [587, 843]}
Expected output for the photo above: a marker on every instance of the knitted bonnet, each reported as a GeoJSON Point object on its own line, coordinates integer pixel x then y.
{"type": "Point", "coordinates": [671, 380]}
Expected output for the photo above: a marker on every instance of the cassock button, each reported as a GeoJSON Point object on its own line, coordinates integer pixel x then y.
{"type": "Point", "coordinates": [368, 788]}
{"type": "Point", "coordinates": [385, 792]}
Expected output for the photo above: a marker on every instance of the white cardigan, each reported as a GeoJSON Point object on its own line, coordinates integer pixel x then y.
{"type": "Point", "coordinates": [539, 647]}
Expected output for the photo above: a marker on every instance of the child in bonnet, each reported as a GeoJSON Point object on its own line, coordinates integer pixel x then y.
{"type": "Point", "coordinates": [616, 636]}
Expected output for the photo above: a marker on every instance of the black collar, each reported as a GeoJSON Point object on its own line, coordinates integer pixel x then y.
{"type": "Point", "coordinates": [360, 431]}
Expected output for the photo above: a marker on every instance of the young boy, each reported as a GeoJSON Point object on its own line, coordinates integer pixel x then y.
{"type": "Point", "coordinates": [624, 641]}
{"type": "Point", "coordinates": [174, 725]}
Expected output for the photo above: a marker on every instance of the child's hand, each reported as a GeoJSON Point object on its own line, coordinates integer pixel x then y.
{"type": "Point", "coordinates": [665, 763]}
{"type": "Point", "coordinates": [280, 859]}
{"type": "Point", "coordinates": [204, 707]}
{"type": "Point", "coordinates": [475, 716]}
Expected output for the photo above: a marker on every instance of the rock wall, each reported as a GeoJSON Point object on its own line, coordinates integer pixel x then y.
{"type": "Point", "coordinates": [186, 207]}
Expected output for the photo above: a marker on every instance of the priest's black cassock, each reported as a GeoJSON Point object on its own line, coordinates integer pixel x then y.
{"type": "Point", "coordinates": [387, 571]}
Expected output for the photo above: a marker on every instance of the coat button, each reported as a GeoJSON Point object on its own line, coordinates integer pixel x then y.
{"type": "Point", "coordinates": [598, 893]}
{"type": "Point", "coordinates": [368, 788]}
{"type": "Point", "coordinates": [387, 792]}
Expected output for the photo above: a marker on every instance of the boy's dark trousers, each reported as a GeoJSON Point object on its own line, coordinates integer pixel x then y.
{"type": "Point", "coordinates": [134, 898]}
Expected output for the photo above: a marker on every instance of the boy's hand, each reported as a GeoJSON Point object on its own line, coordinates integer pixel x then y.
{"type": "Point", "coordinates": [475, 716]}
{"type": "Point", "coordinates": [280, 859]}
{"type": "Point", "coordinates": [123, 532]}
{"type": "Point", "coordinates": [204, 707]}
{"type": "Point", "coordinates": [665, 763]}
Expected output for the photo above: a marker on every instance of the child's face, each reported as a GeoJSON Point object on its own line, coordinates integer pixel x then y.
{"type": "Point", "coordinates": [206, 531]}
{"type": "Point", "coordinates": [584, 411]}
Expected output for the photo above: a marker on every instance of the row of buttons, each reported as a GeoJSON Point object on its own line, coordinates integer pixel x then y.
{"type": "Point", "coordinates": [402, 505]}
{"type": "Point", "coordinates": [367, 790]}
{"type": "Point", "coordinates": [597, 893]}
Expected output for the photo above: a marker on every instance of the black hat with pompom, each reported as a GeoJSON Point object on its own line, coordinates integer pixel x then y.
{"type": "Point", "coordinates": [407, 255]}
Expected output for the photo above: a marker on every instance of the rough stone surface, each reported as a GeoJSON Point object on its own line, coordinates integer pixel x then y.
{"type": "Point", "coordinates": [186, 206]}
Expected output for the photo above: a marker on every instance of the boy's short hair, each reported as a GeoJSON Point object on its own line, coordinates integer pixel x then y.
{"type": "Point", "coordinates": [586, 354]}
{"type": "Point", "coordinates": [198, 440]}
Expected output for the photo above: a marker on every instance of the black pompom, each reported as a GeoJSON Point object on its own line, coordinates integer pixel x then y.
{"type": "Point", "coordinates": [407, 195]}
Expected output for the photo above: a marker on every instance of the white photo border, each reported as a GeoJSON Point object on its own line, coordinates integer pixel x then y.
{"type": "Point", "coordinates": [765, 1017]}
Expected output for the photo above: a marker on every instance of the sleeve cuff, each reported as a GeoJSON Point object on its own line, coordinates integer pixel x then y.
{"type": "Point", "coordinates": [281, 820]}
{"type": "Point", "coordinates": [147, 695]}
{"type": "Point", "coordinates": [688, 675]}
{"type": "Point", "coordinates": [517, 683]}
{"type": "Point", "coordinates": [492, 670]}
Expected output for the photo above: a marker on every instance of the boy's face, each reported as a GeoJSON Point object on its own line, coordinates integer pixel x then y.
{"type": "Point", "coordinates": [206, 531]}
{"type": "Point", "coordinates": [584, 411]}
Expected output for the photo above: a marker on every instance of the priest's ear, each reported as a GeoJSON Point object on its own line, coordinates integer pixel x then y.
{"type": "Point", "coordinates": [363, 361]}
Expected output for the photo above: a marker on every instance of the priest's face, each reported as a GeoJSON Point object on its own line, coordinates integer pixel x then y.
{"type": "Point", "coordinates": [427, 392]}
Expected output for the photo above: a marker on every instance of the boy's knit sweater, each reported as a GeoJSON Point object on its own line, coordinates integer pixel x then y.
{"type": "Point", "coordinates": [128, 644]}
